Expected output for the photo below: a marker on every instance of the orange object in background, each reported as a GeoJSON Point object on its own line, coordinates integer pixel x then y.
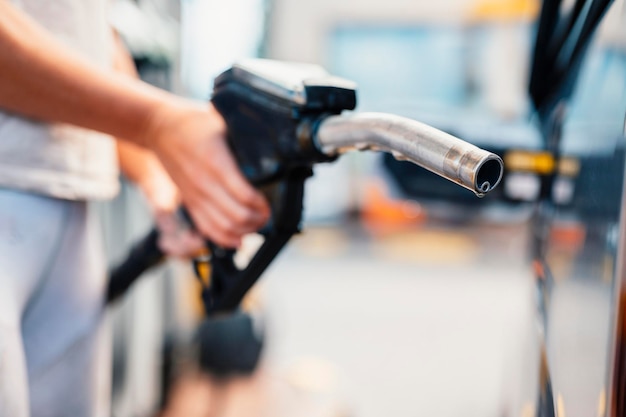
{"type": "Point", "coordinates": [382, 214]}
{"type": "Point", "coordinates": [568, 235]}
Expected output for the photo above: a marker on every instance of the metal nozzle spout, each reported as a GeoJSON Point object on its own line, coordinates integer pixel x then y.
{"type": "Point", "coordinates": [406, 139]}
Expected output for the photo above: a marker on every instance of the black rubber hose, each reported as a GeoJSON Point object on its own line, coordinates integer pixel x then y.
{"type": "Point", "coordinates": [567, 67]}
{"type": "Point", "coordinates": [594, 17]}
{"type": "Point", "coordinates": [545, 33]}
{"type": "Point", "coordinates": [557, 74]}
{"type": "Point", "coordinates": [144, 255]}
{"type": "Point", "coordinates": [565, 31]}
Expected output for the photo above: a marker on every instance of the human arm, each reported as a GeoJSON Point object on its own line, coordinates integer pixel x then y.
{"type": "Point", "coordinates": [42, 79]}
{"type": "Point", "coordinates": [142, 167]}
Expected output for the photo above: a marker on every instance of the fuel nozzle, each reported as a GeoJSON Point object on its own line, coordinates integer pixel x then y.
{"type": "Point", "coordinates": [282, 115]}
{"type": "Point", "coordinates": [282, 119]}
{"type": "Point", "coordinates": [463, 163]}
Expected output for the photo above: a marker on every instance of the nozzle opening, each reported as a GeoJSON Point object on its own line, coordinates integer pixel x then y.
{"type": "Point", "coordinates": [489, 175]}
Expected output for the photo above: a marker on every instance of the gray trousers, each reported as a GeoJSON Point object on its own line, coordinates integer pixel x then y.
{"type": "Point", "coordinates": [54, 347]}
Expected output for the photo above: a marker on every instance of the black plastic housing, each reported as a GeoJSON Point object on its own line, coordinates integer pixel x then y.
{"type": "Point", "coordinates": [271, 123]}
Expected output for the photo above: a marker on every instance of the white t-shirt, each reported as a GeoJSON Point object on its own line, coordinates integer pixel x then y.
{"type": "Point", "coordinates": [53, 159]}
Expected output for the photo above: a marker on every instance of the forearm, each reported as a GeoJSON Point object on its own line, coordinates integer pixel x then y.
{"type": "Point", "coordinates": [141, 165]}
{"type": "Point", "coordinates": [43, 79]}
{"type": "Point", "coordinates": [135, 162]}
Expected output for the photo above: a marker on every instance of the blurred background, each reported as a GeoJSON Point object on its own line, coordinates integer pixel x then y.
{"type": "Point", "coordinates": [405, 295]}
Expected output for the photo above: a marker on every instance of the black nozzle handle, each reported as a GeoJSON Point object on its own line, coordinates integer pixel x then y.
{"type": "Point", "coordinates": [144, 255]}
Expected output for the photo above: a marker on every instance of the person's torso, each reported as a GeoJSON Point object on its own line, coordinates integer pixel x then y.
{"type": "Point", "coordinates": [54, 159]}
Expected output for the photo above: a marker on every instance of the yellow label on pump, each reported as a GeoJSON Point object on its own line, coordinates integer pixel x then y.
{"type": "Point", "coordinates": [538, 162]}
{"type": "Point", "coordinates": [541, 163]}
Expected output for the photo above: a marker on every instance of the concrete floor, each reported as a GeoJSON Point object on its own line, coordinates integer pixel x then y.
{"type": "Point", "coordinates": [433, 321]}
{"type": "Point", "coordinates": [436, 320]}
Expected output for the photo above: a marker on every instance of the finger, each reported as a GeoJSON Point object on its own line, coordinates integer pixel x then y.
{"type": "Point", "coordinates": [230, 175]}
{"type": "Point", "coordinates": [245, 218]}
{"type": "Point", "coordinates": [203, 183]}
{"type": "Point", "coordinates": [172, 233]}
{"type": "Point", "coordinates": [213, 224]}
{"type": "Point", "coordinates": [166, 222]}
{"type": "Point", "coordinates": [235, 182]}
{"type": "Point", "coordinates": [185, 244]}
{"type": "Point", "coordinates": [194, 243]}
{"type": "Point", "coordinates": [207, 190]}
